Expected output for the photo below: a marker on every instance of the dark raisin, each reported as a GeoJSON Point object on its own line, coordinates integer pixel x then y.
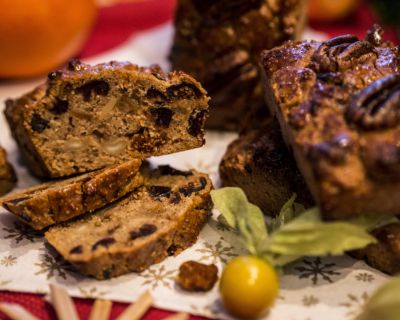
{"type": "Point", "coordinates": [106, 242]}
{"type": "Point", "coordinates": [196, 122]}
{"type": "Point", "coordinates": [162, 116]}
{"type": "Point", "coordinates": [76, 250]}
{"type": "Point", "coordinates": [188, 190]}
{"type": "Point", "coordinates": [154, 93]}
{"type": "Point", "coordinates": [59, 107]}
{"type": "Point", "coordinates": [175, 198]}
{"type": "Point", "coordinates": [172, 250]}
{"type": "Point", "coordinates": [39, 124]}
{"type": "Point", "coordinates": [54, 75]}
{"type": "Point", "coordinates": [145, 230]}
{"type": "Point", "coordinates": [167, 170]}
{"type": "Point", "coordinates": [98, 87]}
{"type": "Point", "coordinates": [106, 274]}
{"type": "Point", "coordinates": [183, 91]}
{"type": "Point", "coordinates": [159, 191]}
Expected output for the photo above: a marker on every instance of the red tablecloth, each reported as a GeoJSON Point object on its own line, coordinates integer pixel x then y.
{"type": "Point", "coordinates": [115, 25]}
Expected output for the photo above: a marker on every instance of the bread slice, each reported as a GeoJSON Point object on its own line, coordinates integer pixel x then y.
{"type": "Point", "coordinates": [88, 117]}
{"type": "Point", "coordinates": [50, 203]}
{"type": "Point", "coordinates": [7, 174]}
{"type": "Point", "coordinates": [161, 218]}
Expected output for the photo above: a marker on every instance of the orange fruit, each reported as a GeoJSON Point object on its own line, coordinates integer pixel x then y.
{"type": "Point", "coordinates": [37, 36]}
{"type": "Point", "coordinates": [330, 10]}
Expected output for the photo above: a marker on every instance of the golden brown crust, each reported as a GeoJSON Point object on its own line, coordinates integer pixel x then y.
{"type": "Point", "coordinates": [161, 218]}
{"type": "Point", "coordinates": [51, 203]}
{"type": "Point", "coordinates": [7, 174]}
{"type": "Point", "coordinates": [87, 117]}
{"type": "Point", "coordinates": [219, 43]}
{"type": "Point", "coordinates": [348, 157]}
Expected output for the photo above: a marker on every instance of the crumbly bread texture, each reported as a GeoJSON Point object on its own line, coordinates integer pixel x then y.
{"type": "Point", "coordinates": [88, 117]}
{"type": "Point", "coordinates": [259, 163]}
{"type": "Point", "coordinates": [50, 203]}
{"type": "Point", "coordinates": [219, 43]}
{"type": "Point", "coordinates": [384, 255]}
{"type": "Point", "coordinates": [160, 219]}
{"type": "Point", "coordinates": [7, 174]}
{"type": "Point", "coordinates": [338, 107]}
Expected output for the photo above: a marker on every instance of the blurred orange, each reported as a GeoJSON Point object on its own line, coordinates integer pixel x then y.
{"type": "Point", "coordinates": [331, 10]}
{"type": "Point", "coordinates": [37, 36]}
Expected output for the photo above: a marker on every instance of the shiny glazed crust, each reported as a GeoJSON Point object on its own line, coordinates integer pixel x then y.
{"type": "Point", "coordinates": [50, 203]}
{"type": "Point", "coordinates": [336, 104]}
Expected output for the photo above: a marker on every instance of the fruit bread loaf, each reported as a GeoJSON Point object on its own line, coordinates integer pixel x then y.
{"type": "Point", "coordinates": [50, 203]}
{"type": "Point", "coordinates": [161, 218]}
{"type": "Point", "coordinates": [219, 43]}
{"type": "Point", "coordinates": [7, 174]}
{"type": "Point", "coordinates": [259, 163]}
{"type": "Point", "coordinates": [88, 117]}
{"type": "Point", "coordinates": [338, 106]}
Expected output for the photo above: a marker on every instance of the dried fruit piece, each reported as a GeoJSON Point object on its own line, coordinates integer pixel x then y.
{"type": "Point", "coordinates": [195, 276]}
{"type": "Point", "coordinates": [99, 87]}
{"type": "Point", "coordinates": [106, 242]}
{"type": "Point", "coordinates": [143, 231]}
{"type": "Point", "coordinates": [59, 107]}
{"type": "Point", "coordinates": [162, 116]}
{"type": "Point", "coordinates": [39, 124]}
{"type": "Point", "coordinates": [196, 122]}
{"type": "Point", "coordinates": [160, 191]}
{"type": "Point", "coordinates": [76, 250]}
{"type": "Point", "coordinates": [191, 188]}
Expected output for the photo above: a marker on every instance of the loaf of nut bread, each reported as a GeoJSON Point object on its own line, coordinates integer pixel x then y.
{"type": "Point", "coordinates": [160, 219]}
{"type": "Point", "coordinates": [338, 106]}
{"type": "Point", "coordinates": [259, 163]}
{"type": "Point", "coordinates": [54, 202]}
{"type": "Point", "coordinates": [7, 174]}
{"type": "Point", "coordinates": [219, 43]}
{"type": "Point", "coordinates": [87, 117]}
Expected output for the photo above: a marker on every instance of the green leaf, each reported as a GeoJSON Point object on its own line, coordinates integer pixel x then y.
{"type": "Point", "coordinates": [308, 235]}
{"type": "Point", "coordinates": [384, 303]}
{"type": "Point", "coordinates": [245, 218]}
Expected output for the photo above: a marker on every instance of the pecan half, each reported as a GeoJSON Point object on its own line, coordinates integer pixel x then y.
{"type": "Point", "coordinates": [338, 52]}
{"type": "Point", "coordinates": [378, 105]}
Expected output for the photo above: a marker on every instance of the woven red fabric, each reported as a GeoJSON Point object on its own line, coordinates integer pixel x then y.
{"type": "Point", "coordinates": [114, 26]}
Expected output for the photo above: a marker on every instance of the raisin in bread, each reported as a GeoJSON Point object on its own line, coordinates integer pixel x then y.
{"type": "Point", "coordinates": [219, 43]}
{"type": "Point", "coordinates": [50, 203]}
{"type": "Point", "coordinates": [88, 117]}
{"type": "Point", "coordinates": [338, 106]}
{"type": "Point", "coordinates": [7, 174]}
{"type": "Point", "coordinates": [160, 219]}
{"type": "Point", "coordinates": [259, 163]}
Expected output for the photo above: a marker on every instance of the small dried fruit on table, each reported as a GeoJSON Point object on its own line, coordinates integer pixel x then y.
{"type": "Point", "coordinates": [195, 276]}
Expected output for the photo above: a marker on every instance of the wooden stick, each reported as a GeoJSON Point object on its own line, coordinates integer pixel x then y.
{"type": "Point", "coordinates": [101, 310]}
{"type": "Point", "coordinates": [178, 316]}
{"type": "Point", "coordinates": [137, 309]}
{"type": "Point", "coordinates": [62, 303]}
{"type": "Point", "coordinates": [16, 312]}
